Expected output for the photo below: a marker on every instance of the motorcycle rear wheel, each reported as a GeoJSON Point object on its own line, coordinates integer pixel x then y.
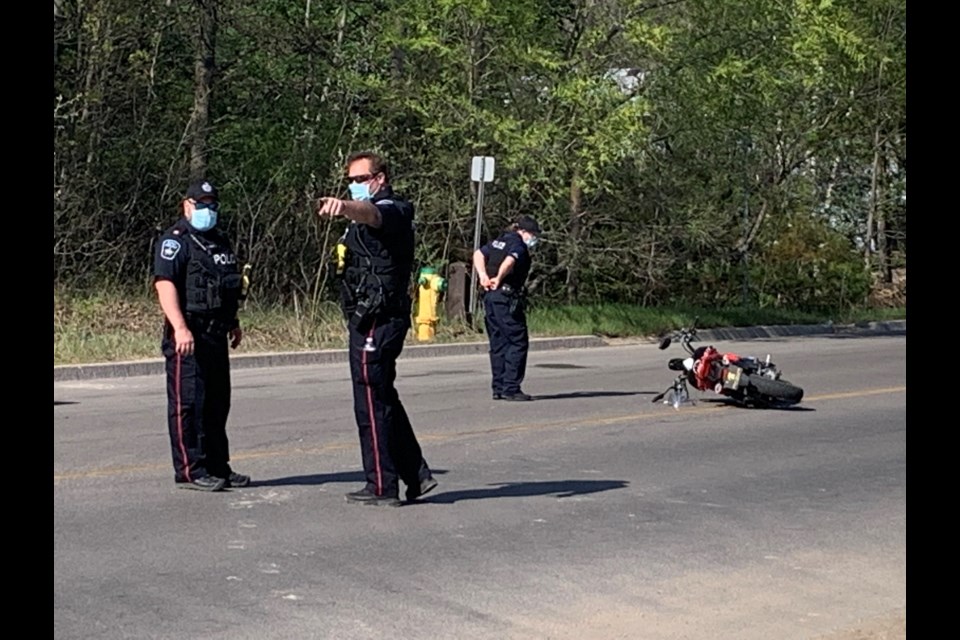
{"type": "Point", "coordinates": [776, 392]}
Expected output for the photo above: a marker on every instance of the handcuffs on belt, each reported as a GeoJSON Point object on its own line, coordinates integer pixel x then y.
{"type": "Point", "coordinates": [515, 296]}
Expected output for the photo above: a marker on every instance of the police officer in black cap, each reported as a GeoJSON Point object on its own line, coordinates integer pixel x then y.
{"type": "Point", "coordinates": [377, 307]}
{"type": "Point", "coordinates": [200, 288]}
{"type": "Point", "coordinates": [502, 266]}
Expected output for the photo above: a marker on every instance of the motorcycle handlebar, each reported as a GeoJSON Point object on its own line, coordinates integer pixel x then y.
{"type": "Point", "coordinates": [683, 336]}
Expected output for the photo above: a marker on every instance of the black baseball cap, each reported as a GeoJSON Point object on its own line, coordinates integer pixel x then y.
{"type": "Point", "coordinates": [528, 223]}
{"type": "Point", "coordinates": [202, 189]}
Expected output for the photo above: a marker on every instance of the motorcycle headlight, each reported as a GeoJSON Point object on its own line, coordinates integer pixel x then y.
{"type": "Point", "coordinates": [675, 364]}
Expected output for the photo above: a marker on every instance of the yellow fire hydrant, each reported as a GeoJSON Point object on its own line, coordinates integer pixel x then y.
{"type": "Point", "coordinates": [431, 286]}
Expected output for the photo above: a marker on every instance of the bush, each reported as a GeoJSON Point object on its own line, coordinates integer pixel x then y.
{"type": "Point", "coordinates": [809, 266]}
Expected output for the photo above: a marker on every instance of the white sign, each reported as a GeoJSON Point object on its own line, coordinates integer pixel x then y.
{"type": "Point", "coordinates": [482, 169]}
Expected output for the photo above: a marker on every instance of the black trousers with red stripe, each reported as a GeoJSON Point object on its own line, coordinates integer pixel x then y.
{"type": "Point", "coordinates": [198, 403]}
{"type": "Point", "coordinates": [389, 448]}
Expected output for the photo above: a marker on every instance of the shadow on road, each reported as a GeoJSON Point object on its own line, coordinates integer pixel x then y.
{"type": "Point", "coordinates": [590, 394]}
{"type": "Point", "coordinates": [322, 478]}
{"type": "Point", "coordinates": [726, 402]}
{"type": "Point", "coordinates": [560, 365]}
{"type": "Point", "coordinates": [794, 408]}
{"type": "Point", "coordinates": [557, 488]}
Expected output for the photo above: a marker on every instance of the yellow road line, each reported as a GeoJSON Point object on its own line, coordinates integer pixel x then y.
{"type": "Point", "coordinates": [441, 437]}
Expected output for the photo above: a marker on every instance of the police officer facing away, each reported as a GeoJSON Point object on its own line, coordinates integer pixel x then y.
{"type": "Point", "coordinates": [199, 287]}
{"type": "Point", "coordinates": [377, 307]}
{"type": "Point", "coordinates": [502, 266]}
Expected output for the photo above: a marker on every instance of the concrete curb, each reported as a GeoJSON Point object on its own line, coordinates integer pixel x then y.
{"type": "Point", "coordinates": [327, 356]}
{"type": "Point", "coordinates": [298, 358]}
{"type": "Point", "coordinates": [783, 331]}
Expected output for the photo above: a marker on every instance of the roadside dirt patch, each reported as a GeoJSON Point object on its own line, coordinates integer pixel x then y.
{"type": "Point", "coordinates": [892, 627]}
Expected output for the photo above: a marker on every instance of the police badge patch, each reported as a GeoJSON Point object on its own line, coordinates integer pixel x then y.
{"type": "Point", "coordinates": [169, 249]}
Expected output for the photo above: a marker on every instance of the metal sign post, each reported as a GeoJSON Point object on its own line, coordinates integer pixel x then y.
{"type": "Point", "coordinates": [481, 172]}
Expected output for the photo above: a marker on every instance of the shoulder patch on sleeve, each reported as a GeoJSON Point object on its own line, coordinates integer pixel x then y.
{"type": "Point", "coordinates": [169, 249]}
{"type": "Point", "coordinates": [384, 202]}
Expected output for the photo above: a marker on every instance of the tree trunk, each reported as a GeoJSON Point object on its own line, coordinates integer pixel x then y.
{"type": "Point", "coordinates": [573, 265]}
{"type": "Point", "coordinates": [57, 14]}
{"type": "Point", "coordinates": [880, 220]}
{"type": "Point", "coordinates": [204, 69]}
{"type": "Point", "coordinates": [828, 198]}
{"type": "Point", "coordinates": [869, 245]}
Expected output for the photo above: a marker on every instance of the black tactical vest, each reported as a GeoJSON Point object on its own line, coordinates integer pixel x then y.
{"type": "Point", "coordinates": [377, 272]}
{"type": "Point", "coordinates": [214, 281]}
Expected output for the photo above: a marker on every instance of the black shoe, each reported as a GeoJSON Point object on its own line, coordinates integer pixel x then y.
{"type": "Point", "coordinates": [205, 483]}
{"type": "Point", "coordinates": [365, 496]}
{"type": "Point", "coordinates": [236, 480]}
{"type": "Point", "coordinates": [518, 396]}
{"type": "Point", "coordinates": [498, 396]}
{"type": "Point", "coordinates": [425, 487]}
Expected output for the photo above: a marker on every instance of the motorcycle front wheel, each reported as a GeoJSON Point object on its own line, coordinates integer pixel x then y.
{"type": "Point", "coordinates": [776, 392]}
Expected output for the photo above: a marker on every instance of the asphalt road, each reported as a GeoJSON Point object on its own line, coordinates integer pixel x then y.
{"type": "Point", "coordinates": [588, 513]}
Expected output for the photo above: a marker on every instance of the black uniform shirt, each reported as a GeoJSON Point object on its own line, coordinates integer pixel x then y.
{"type": "Point", "coordinates": [508, 244]}
{"type": "Point", "coordinates": [170, 258]}
{"type": "Point", "coordinates": [173, 249]}
{"type": "Point", "coordinates": [380, 259]}
{"type": "Point", "coordinates": [394, 239]}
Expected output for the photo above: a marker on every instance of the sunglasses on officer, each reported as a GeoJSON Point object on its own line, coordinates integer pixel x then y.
{"type": "Point", "coordinates": [200, 204]}
{"type": "Point", "coordinates": [362, 178]}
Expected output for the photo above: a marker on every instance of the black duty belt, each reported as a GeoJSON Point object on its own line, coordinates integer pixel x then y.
{"type": "Point", "coordinates": [208, 325]}
{"type": "Point", "coordinates": [380, 270]}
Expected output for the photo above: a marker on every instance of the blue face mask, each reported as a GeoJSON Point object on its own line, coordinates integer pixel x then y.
{"type": "Point", "coordinates": [531, 242]}
{"type": "Point", "coordinates": [360, 191]}
{"type": "Point", "coordinates": [203, 218]}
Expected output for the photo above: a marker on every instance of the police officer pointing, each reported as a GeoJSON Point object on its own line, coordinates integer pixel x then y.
{"type": "Point", "coordinates": [502, 266]}
{"type": "Point", "coordinates": [199, 287]}
{"type": "Point", "coordinates": [376, 304]}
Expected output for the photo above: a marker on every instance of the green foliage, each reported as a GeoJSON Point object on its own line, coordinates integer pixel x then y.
{"type": "Point", "coordinates": [744, 117]}
{"type": "Point", "coordinates": [810, 266]}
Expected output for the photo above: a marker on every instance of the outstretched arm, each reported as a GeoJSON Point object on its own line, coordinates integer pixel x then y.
{"type": "Point", "coordinates": [361, 211]}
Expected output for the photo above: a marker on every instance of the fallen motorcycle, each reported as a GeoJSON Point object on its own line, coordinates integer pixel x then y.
{"type": "Point", "coordinates": [745, 380]}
